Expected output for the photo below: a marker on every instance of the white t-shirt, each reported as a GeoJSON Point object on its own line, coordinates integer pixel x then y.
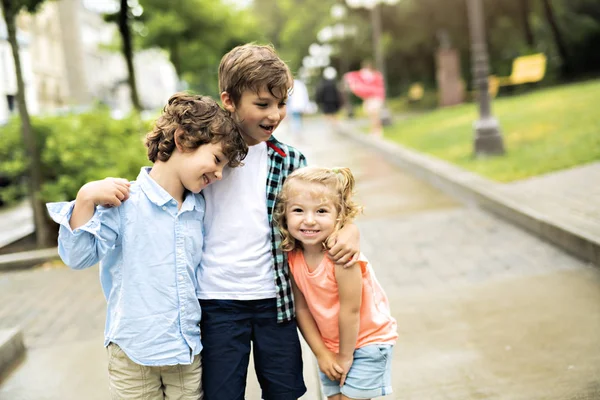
{"type": "Point", "coordinates": [237, 260]}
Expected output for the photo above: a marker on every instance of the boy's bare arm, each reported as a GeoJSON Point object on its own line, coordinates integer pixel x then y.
{"type": "Point", "coordinates": [349, 282]}
{"type": "Point", "coordinates": [344, 247]}
{"type": "Point", "coordinates": [107, 192]}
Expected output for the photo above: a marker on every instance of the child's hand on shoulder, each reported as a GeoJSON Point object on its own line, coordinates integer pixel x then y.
{"type": "Point", "coordinates": [329, 366]}
{"type": "Point", "coordinates": [109, 192]}
{"type": "Point", "coordinates": [344, 246]}
{"type": "Point", "coordinates": [344, 362]}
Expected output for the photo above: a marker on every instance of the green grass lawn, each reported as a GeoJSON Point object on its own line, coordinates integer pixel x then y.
{"type": "Point", "coordinates": [544, 131]}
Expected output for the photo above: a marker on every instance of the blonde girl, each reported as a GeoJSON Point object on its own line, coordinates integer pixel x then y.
{"type": "Point", "coordinates": [343, 313]}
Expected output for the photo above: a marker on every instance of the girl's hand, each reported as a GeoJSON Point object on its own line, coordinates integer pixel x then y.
{"type": "Point", "coordinates": [345, 362]}
{"type": "Point", "coordinates": [329, 366]}
{"type": "Point", "coordinates": [344, 247]}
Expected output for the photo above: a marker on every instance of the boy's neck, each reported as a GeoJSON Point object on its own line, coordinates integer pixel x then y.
{"type": "Point", "coordinates": [251, 142]}
{"type": "Point", "coordinates": [313, 255]}
{"type": "Point", "coordinates": [165, 178]}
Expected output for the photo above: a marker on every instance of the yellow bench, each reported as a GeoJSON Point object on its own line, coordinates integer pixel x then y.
{"type": "Point", "coordinates": [525, 69]}
{"type": "Point", "coordinates": [415, 92]}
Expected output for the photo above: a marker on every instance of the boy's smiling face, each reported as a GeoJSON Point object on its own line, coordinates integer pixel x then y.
{"type": "Point", "coordinates": [259, 114]}
{"type": "Point", "coordinates": [199, 168]}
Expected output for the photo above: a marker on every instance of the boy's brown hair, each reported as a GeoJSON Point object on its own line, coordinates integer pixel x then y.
{"type": "Point", "coordinates": [254, 67]}
{"type": "Point", "coordinates": [196, 120]}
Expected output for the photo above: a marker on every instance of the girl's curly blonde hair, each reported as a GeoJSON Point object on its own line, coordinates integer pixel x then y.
{"type": "Point", "coordinates": [339, 181]}
{"type": "Point", "coordinates": [195, 121]}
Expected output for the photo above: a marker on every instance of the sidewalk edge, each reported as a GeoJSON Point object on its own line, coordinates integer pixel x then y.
{"type": "Point", "coordinates": [27, 259]}
{"type": "Point", "coordinates": [471, 188]}
{"type": "Point", "coordinates": [12, 348]}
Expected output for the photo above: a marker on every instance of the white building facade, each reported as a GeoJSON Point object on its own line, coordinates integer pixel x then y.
{"type": "Point", "coordinates": [8, 77]}
{"type": "Point", "coordinates": [69, 60]}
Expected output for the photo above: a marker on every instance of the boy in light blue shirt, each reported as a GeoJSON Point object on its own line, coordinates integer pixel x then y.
{"type": "Point", "coordinates": [150, 246]}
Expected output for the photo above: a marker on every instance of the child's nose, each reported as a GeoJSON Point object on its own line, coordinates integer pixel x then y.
{"type": "Point", "coordinates": [219, 174]}
{"type": "Point", "coordinates": [275, 116]}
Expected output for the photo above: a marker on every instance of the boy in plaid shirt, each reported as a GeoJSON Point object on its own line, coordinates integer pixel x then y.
{"type": "Point", "coordinates": [244, 281]}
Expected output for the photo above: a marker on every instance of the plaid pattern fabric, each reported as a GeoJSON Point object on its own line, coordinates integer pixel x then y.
{"type": "Point", "coordinates": [283, 160]}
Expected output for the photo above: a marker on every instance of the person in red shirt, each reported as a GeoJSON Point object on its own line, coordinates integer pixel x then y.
{"type": "Point", "coordinates": [368, 84]}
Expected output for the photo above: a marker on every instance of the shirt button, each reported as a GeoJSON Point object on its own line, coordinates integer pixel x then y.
{"type": "Point", "coordinates": [180, 277]}
{"type": "Point", "coordinates": [173, 202]}
{"type": "Point", "coordinates": [164, 208]}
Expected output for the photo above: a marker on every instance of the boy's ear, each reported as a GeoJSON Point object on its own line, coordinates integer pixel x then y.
{"type": "Point", "coordinates": [227, 102]}
{"type": "Point", "coordinates": [177, 138]}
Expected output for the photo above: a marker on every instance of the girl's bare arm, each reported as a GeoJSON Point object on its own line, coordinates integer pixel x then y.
{"type": "Point", "coordinates": [349, 282]}
{"type": "Point", "coordinates": [312, 335]}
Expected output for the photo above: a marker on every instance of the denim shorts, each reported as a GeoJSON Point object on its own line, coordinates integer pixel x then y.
{"type": "Point", "coordinates": [370, 374]}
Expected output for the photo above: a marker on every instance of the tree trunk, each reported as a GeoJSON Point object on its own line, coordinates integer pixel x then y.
{"type": "Point", "coordinates": [42, 233]}
{"type": "Point", "coordinates": [125, 31]}
{"type": "Point", "coordinates": [525, 10]}
{"type": "Point", "coordinates": [176, 58]}
{"type": "Point", "coordinates": [558, 38]}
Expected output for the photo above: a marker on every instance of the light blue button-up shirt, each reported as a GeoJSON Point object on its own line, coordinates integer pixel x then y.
{"type": "Point", "coordinates": [149, 254]}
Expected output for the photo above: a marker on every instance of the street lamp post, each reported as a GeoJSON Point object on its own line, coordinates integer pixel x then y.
{"type": "Point", "coordinates": [488, 140]}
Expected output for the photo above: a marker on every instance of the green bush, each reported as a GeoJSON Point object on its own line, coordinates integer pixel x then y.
{"type": "Point", "coordinates": [74, 149]}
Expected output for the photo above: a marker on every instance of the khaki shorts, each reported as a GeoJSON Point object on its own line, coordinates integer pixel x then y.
{"type": "Point", "coordinates": [128, 380]}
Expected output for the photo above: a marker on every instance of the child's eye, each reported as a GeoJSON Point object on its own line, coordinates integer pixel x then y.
{"type": "Point", "coordinates": [282, 104]}
{"type": "Point", "coordinates": [322, 211]}
{"type": "Point", "coordinates": [262, 105]}
{"type": "Point", "coordinates": [217, 160]}
{"type": "Point", "coordinates": [296, 210]}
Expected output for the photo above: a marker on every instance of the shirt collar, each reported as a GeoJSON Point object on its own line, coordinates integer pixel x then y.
{"type": "Point", "coordinates": [153, 190]}
{"type": "Point", "coordinates": [276, 146]}
{"type": "Point", "coordinates": [191, 201]}
{"type": "Point", "coordinates": [159, 196]}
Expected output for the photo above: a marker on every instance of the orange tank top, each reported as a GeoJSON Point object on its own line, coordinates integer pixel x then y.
{"type": "Point", "coordinates": [319, 287]}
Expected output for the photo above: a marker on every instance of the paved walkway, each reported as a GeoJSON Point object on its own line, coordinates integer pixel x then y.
{"type": "Point", "coordinates": [485, 310]}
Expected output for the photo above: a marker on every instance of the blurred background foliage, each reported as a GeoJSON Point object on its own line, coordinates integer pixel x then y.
{"type": "Point", "coordinates": [196, 33]}
{"type": "Point", "coordinates": [74, 149]}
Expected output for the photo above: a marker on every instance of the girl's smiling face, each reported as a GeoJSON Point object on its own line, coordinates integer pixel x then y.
{"type": "Point", "coordinates": [311, 214]}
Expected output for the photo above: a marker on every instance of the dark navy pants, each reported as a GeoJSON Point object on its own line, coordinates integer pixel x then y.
{"type": "Point", "coordinates": [228, 328]}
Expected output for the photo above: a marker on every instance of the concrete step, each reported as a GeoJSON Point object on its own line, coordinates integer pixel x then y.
{"type": "Point", "coordinates": [11, 348]}
{"type": "Point", "coordinates": [27, 259]}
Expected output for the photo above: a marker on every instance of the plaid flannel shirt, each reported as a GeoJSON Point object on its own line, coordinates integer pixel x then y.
{"type": "Point", "coordinates": [283, 160]}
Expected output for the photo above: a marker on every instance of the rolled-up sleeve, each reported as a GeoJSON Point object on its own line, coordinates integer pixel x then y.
{"type": "Point", "coordinates": [87, 245]}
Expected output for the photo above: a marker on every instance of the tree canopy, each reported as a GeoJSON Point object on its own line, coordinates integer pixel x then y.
{"type": "Point", "coordinates": [567, 31]}
{"type": "Point", "coordinates": [195, 33]}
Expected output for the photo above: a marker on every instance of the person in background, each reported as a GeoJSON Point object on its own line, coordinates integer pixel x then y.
{"type": "Point", "coordinates": [367, 83]}
{"type": "Point", "coordinates": [328, 96]}
{"type": "Point", "coordinates": [298, 105]}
